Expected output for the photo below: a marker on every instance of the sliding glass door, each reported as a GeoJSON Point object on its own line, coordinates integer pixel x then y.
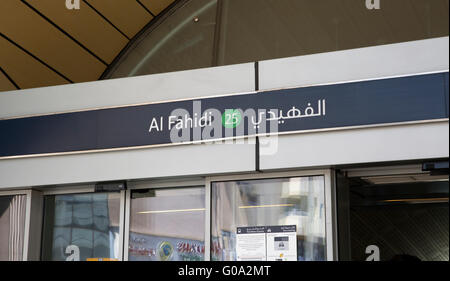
{"type": "Point", "coordinates": [294, 207]}
{"type": "Point", "coordinates": [271, 216]}
{"type": "Point", "coordinates": [167, 224]}
{"type": "Point", "coordinates": [82, 227]}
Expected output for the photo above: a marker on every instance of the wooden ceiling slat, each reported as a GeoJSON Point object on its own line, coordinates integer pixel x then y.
{"type": "Point", "coordinates": [86, 26]}
{"type": "Point", "coordinates": [156, 6]}
{"type": "Point", "coordinates": [39, 37]}
{"type": "Point", "coordinates": [24, 70]}
{"type": "Point", "coordinates": [5, 84]}
{"type": "Point", "coordinates": [126, 15]}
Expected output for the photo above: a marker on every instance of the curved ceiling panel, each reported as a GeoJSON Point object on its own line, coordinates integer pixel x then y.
{"type": "Point", "coordinates": [86, 27]}
{"type": "Point", "coordinates": [156, 6]}
{"type": "Point", "coordinates": [42, 43]}
{"type": "Point", "coordinates": [38, 36]}
{"type": "Point", "coordinates": [5, 83]}
{"type": "Point", "coordinates": [24, 70]}
{"type": "Point", "coordinates": [128, 16]}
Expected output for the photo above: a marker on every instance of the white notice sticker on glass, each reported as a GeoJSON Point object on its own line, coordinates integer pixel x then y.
{"type": "Point", "coordinates": [251, 243]}
{"type": "Point", "coordinates": [282, 243]}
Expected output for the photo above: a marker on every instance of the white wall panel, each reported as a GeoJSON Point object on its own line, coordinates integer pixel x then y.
{"type": "Point", "coordinates": [132, 90]}
{"type": "Point", "coordinates": [184, 160]}
{"type": "Point", "coordinates": [353, 146]}
{"type": "Point", "coordinates": [400, 59]}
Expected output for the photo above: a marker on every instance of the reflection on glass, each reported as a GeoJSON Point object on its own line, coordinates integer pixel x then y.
{"type": "Point", "coordinates": [167, 225]}
{"type": "Point", "coordinates": [81, 227]}
{"type": "Point", "coordinates": [288, 201]}
{"type": "Point", "coordinates": [203, 33]}
{"type": "Point", "coordinates": [254, 30]}
{"type": "Point", "coordinates": [12, 225]}
{"type": "Point", "coordinates": [183, 41]}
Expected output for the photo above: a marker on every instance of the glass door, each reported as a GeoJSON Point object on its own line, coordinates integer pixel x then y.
{"type": "Point", "coordinates": [200, 219]}
{"type": "Point", "coordinates": [287, 215]}
{"type": "Point", "coordinates": [82, 227]}
{"type": "Point", "coordinates": [167, 224]}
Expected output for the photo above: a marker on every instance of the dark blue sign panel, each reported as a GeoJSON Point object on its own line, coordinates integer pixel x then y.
{"type": "Point", "coordinates": [405, 99]}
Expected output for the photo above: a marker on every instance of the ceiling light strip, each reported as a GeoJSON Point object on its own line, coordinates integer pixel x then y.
{"type": "Point", "coordinates": [171, 211]}
{"type": "Point", "coordinates": [266, 206]}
